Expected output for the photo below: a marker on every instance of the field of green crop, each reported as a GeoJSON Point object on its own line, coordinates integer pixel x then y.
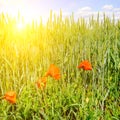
{"type": "Point", "coordinates": [25, 56]}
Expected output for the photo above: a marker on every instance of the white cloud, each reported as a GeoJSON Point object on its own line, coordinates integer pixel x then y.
{"type": "Point", "coordinates": [84, 12]}
{"type": "Point", "coordinates": [108, 10]}
{"type": "Point", "coordinates": [107, 7]}
{"type": "Point", "coordinates": [85, 9]}
{"type": "Point", "coordinates": [116, 9]}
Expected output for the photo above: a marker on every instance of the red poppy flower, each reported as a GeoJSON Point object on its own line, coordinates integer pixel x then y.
{"type": "Point", "coordinates": [54, 72]}
{"type": "Point", "coordinates": [86, 65]}
{"type": "Point", "coordinates": [41, 83]}
{"type": "Point", "coordinates": [10, 96]}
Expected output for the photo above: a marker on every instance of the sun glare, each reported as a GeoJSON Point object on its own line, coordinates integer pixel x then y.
{"type": "Point", "coordinates": [13, 7]}
{"type": "Point", "coordinates": [20, 26]}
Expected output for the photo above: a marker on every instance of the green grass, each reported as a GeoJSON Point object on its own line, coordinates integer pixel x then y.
{"type": "Point", "coordinates": [26, 55]}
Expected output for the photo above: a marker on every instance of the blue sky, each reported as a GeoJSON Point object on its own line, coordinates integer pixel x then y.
{"type": "Point", "coordinates": [73, 5]}
{"type": "Point", "coordinates": [85, 8]}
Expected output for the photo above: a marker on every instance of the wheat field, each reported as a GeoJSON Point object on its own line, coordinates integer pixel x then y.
{"type": "Point", "coordinates": [25, 56]}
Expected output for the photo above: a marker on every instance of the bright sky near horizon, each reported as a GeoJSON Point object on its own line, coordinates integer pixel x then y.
{"type": "Point", "coordinates": [36, 8]}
